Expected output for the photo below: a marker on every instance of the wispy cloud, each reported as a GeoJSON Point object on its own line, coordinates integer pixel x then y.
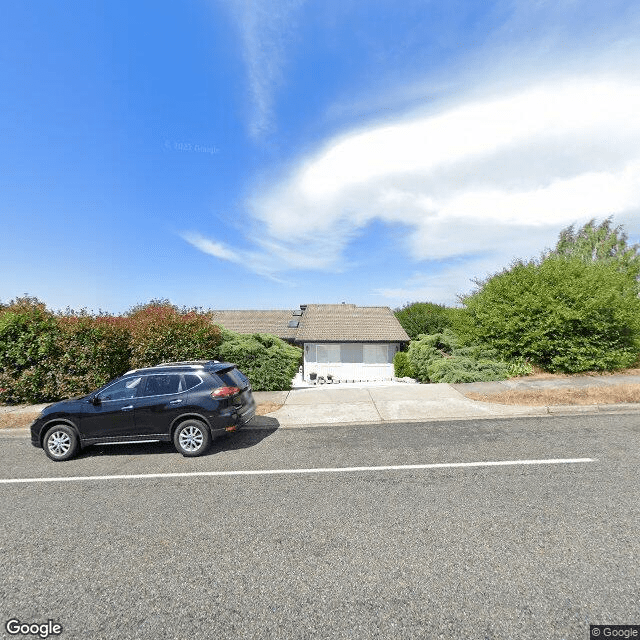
{"type": "Point", "coordinates": [495, 177]}
{"type": "Point", "coordinates": [265, 28]}
{"type": "Point", "coordinates": [262, 263]}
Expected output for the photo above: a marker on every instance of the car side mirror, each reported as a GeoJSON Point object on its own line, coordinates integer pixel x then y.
{"type": "Point", "coordinates": [95, 401]}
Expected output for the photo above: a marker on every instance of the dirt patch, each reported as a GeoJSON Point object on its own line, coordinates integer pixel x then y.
{"type": "Point", "coordinates": [15, 419]}
{"type": "Point", "coordinates": [267, 407]}
{"type": "Point", "coordinates": [545, 397]}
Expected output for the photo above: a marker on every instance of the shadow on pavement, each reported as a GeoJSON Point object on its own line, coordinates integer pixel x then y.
{"type": "Point", "coordinates": [243, 439]}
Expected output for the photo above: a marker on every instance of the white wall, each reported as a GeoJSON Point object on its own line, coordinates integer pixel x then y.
{"type": "Point", "coordinates": [350, 361]}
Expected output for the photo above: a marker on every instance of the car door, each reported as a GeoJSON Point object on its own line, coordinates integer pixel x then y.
{"type": "Point", "coordinates": [163, 399]}
{"type": "Point", "coordinates": [113, 416]}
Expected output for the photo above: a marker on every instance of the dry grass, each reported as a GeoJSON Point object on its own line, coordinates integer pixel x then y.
{"type": "Point", "coordinates": [267, 407]}
{"type": "Point", "coordinates": [613, 394]}
{"type": "Point", "coordinates": [14, 419]}
{"type": "Point", "coordinates": [539, 374]}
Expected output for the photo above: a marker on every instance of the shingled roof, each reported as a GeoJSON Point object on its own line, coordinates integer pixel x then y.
{"type": "Point", "coordinates": [274, 322]}
{"type": "Point", "coordinates": [348, 323]}
{"type": "Point", "coordinates": [319, 323]}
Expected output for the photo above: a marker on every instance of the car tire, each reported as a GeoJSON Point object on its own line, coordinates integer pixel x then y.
{"type": "Point", "coordinates": [60, 443]}
{"type": "Point", "coordinates": [192, 438]}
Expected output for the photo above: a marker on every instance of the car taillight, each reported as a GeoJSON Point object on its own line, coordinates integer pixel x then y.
{"type": "Point", "coordinates": [224, 392]}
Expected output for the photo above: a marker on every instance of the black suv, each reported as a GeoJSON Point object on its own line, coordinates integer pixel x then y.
{"type": "Point", "coordinates": [188, 403]}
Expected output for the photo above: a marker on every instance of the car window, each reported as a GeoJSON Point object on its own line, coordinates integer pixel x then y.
{"type": "Point", "coordinates": [191, 381]}
{"type": "Point", "coordinates": [163, 384]}
{"type": "Point", "coordinates": [121, 390]}
{"type": "Point", "coordinates": [232, 378]}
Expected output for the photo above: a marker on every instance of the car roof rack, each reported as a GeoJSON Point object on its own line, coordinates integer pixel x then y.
{"type": "Point", "coordinates": [191, 364]}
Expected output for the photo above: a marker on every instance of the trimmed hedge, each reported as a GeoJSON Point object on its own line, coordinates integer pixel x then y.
{"type": "Point", "coordinates": [29, 342]}
{"type": "Point", "coordinates": [160, 332]}
{"type": "Point", "coordinates": [45, 357]}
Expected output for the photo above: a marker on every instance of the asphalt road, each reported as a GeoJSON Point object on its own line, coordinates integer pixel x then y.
{"type": "Point", "coordinates": [519, 551]}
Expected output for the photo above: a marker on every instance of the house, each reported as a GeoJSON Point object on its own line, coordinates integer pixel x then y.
{"type": "Point", "coordinates": [339, 340]}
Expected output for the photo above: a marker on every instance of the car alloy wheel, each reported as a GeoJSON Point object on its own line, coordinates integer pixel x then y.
{"type": "Point", "coordinates": [60, 443]}
{"type": "Point", "coordinates": [191, 438]}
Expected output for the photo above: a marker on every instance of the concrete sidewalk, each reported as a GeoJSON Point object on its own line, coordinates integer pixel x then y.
{"type": "Point", "coordinates": [344, 404]}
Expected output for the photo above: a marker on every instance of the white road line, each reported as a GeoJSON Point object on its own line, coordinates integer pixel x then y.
{"type": "Point", "coordinates": [267, 472]}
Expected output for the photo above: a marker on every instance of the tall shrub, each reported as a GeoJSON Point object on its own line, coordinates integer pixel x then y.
{"type": "Point", "coordinates": [401, 365]}
{"type": "Point", "coordinates": [562, 314]}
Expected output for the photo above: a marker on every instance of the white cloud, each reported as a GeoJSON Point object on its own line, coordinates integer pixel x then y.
{"type": "Point", "coordinates": [216, 249]}
{"type": "Point", "coordinates": [545, 156]}
{"type": "Point", "coordinates": [265, 27]}
{"type": "Point", "coordinates": [495, 177]}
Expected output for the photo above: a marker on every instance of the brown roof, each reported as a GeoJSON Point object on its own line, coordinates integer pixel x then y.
{"type": "Point", "coordinates": [346, 323]}
{"type": "Point", "coordinates": [257, 321]}
{"type": "Point", "coordinates": [319, 323]}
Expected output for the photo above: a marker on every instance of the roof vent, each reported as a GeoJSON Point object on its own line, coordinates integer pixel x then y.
{"type": "Point", "coordinates": [293, 324]}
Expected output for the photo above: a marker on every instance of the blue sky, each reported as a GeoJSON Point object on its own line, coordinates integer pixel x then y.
{"type": "Point", "coordinates": [230, 155]}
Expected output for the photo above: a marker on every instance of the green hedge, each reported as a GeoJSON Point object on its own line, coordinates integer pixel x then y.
{"type": "Point", "coordinates": [160, 332]}
{"type": "Point", "coordinates": [419, 318]}
{"type": "Point", "coordinates": [29, 342]}
{"type": "Point", "coordinates": [45, 357]}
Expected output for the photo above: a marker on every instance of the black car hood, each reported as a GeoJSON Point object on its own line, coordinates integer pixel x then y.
{"type": "Point", "coordinates": [63, 405]}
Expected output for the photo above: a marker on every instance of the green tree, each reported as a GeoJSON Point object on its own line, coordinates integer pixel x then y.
{"type": "Point", "coordinates": [417, 318]}
{"type": "Point", "coordinates": [600, 243]}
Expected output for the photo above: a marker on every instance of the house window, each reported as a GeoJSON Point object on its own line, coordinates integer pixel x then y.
{"type": "Point", "coordinates": [328, 353]}
{"type": "Point", "coordinates": [351, 352]}
{"type": "Point", "coordinates": [376, 353]}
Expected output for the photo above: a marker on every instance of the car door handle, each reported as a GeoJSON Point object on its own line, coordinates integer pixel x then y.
{"type": "Point", "coordinates": [175, 402]}
{"type": "Point", "coordinates": [127, 408]}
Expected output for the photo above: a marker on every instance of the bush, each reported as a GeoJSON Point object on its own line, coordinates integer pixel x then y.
{"type": "Point", "coordinates": [269, 362]}
{"type": "Point", "coordinates": [401, 365]}
{"type": "Point", "coordinates": [519, 367]}
{"type": "Point", "coordinates": [441, 357]}
{"type": "Point", "coordinates": [464, 369]}
{"type": "Point", "coordinates": [160, 332]}
{"type": "Point", "coordinates": [562, 314]}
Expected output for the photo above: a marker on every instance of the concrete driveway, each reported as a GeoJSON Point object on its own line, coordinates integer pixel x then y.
{"type": "Point", "coordinates": [378, 403]}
